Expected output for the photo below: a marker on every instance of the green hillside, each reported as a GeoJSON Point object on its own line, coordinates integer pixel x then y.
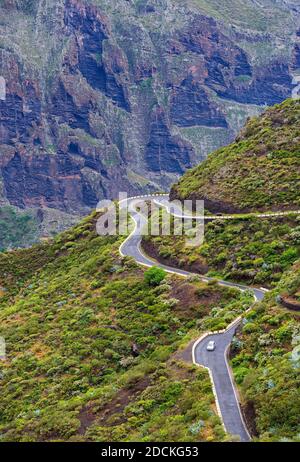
{"type": "Point", "coordinates": [265, 354]}
{"type": "Point", "coordinates": [259, 171]}
{"type": "Point", "coordinates": [95, 348]}
{"type": "Point", "coordinates": [266, 363]}
{"type": "Point", "coordinates": [91, 346]}
{"type": "Point", "coordinates": [252, 251]}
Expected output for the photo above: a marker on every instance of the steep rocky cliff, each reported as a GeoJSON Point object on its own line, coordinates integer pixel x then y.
{"type": "Point", "coordinates": [126, 95]}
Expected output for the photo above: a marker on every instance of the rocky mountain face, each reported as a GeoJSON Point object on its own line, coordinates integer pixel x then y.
{"type": "Point", "coordinates": [126, 95]}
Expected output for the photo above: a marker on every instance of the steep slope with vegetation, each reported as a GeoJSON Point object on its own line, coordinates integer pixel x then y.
{"type": "Point", "coordinates": [266, 362]}
{"type": "Point", "coordinates": [265, 353]}
{"type": "Point", "coordinates": [90, 345]}
{"type": "Point", "coordinates": [251, 250]}
{"type": "Point", "coordinates": [259, 171]}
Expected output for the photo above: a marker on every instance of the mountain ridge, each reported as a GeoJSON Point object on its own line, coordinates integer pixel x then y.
{"type": "Point", "coordinates": [104, 97]}
{"type": "Point", "coordinates": [259, 171]}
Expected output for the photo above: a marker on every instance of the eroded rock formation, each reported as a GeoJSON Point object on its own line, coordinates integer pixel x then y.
{"type": "Point", "coordinates": [102, 98]}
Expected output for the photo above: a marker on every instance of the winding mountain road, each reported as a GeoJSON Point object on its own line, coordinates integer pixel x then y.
{"type": "Point", "coordinates": [215, 361]}
{"type": "Point", "coordinates": [224, 389]}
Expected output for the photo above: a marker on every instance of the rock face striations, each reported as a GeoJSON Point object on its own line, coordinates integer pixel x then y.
{"type": "Point", "coordinates": [124, 95]}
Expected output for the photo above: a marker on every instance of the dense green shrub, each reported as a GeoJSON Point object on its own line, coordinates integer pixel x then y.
{"type": "Point", "coordinates": [154, 276]}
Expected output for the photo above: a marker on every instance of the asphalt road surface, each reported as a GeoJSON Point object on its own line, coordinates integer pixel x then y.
{"type": "Point", "coordinates": [216, 362]}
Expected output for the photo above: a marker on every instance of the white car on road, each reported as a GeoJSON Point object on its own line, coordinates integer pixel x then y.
{"type": "Point", "coordinates": [211, 346]}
